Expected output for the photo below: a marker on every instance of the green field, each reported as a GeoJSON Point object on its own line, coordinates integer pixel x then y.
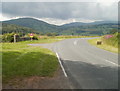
{"type": "Point", "coordinates": [110, 44]}
{"type": "Point", "coordinates": [22, 60]}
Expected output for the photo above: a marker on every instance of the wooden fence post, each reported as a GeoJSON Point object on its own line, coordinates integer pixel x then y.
{"type": "Point", "coordinates": [14, 38]}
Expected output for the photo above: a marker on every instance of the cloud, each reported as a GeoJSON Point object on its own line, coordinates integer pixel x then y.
{"type": "Point", "coordinates": [62, 22]}
{"type": "Point", "coordinates": [62, 10]}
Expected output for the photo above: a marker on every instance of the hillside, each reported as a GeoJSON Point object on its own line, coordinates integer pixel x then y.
{"type": "Point", "coordinates": [100, 29]}
{"type": "Point", "coordinates": [76, 24]}
{"type": "Point", "coordinates": [9, 28]}
{"type": "Point", "coordinates": [35, 24]}
{"type": "Point", "coordinates": [77, 28]}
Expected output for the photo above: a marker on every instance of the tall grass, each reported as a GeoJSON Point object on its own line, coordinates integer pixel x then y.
{"type": "Point", "coordinates": [113, 41]}
{"type": "Point", "coordinates": [109, 42]}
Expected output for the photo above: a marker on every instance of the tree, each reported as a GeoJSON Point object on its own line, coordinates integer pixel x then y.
{"type": "Point", "coordinates": [9, 37]}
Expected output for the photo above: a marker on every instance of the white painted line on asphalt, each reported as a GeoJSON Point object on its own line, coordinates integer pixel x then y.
{"type": "Point", "coordinates": [75, 42]}
{"type": "Point", "coordinates": [111, 62]}
{"type": "Point", "coordinates": [61, 65]}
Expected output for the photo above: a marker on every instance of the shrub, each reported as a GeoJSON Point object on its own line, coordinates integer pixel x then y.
{"type": "Point", "coordinates": [9, 37]}
{"type": "Point", "coordinates": [24, 38]}
{"type": "Point", "coordinates": [35, 37]}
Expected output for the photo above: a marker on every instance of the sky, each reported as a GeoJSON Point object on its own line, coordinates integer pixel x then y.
{"type": "Point", "coordinates": [60, 13]}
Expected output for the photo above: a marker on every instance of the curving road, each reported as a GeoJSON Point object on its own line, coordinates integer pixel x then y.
{"type": "Point", "coordinates": [87, 66]}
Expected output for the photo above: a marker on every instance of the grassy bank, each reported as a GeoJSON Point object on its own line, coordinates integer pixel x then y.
{"type": "Point", "coordinates": [109, 44]}
{"type": "Point", "coordinates": [22, 60]}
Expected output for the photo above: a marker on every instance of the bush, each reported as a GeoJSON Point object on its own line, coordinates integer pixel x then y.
{"type": "Point", "coordinates": [9, 37]}
{"type": "Point", "coordinates": [35, 37]}
{"type": "Point", "coordinates": [24, 38]}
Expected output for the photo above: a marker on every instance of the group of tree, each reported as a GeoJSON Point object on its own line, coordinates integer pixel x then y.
{"type": "Point", "coordinates": [9, 37]}
{"type": "Point", "coordinates": [10, 28]}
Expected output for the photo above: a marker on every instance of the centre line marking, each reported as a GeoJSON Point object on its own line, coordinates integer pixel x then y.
{"type": "Point", "coordinates": [61, 65]}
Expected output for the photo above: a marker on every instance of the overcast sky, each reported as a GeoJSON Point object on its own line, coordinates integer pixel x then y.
{"type": "Point", "coordinates": [60, 13]}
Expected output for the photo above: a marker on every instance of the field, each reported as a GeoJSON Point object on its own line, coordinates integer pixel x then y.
{"type": "Point", "coordinates": [22, 60]}
{"type": "Point", "coordinates": [110, 44]}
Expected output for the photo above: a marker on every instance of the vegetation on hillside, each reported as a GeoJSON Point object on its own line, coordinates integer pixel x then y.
{"type": "Point", "coordinates": [10, 28]}
{"type": "Point", "coordinates": [75, 29]}
{"type": "Point", "coordinates": [34, 24]}
{"type": "Point", "coordinates": [87, 30]}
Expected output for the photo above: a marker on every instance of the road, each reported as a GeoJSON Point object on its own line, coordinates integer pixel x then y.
{"type": "Point", "coordinates": [87, 66]}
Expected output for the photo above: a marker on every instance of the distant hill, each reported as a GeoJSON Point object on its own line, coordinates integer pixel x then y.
{"type": "Point", "coordinates": [93, 28]}
{"type": "Point", "coordinates": [35, 24]}
{"type": "Point", "coordinates": [100, 29]}
{"type": "Point", "coordinates": [76, 28]}
{"type": "Point", "coordinates": [104, 22]}
{"type": "Point", "coordinates": [9, 28]}
{"type": "Point", "coordinates": [76, 24]}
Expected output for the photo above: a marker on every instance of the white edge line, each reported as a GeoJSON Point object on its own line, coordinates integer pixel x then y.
{"type": "Point", "coordinates": [111, 62]}
{"type": "Point", "coordinates": [61, 65]}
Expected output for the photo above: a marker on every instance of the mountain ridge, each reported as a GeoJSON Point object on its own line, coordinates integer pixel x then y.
{"type": "Point", "coordinates": [82, 23]}
{"type": "Point", "coordinates": [76, 28]}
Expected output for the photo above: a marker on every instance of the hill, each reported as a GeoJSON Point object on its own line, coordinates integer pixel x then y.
{"type": "Point", "coordinates": [9, 28]}
{"type": "Point", "coordinates": [90, 29]}
{"type": "Point", "coordinates": [35, 24]}
{"type": "Point", "coordinates": [76, 24]}
{"type": "Point", "coordinates": [76, 28]}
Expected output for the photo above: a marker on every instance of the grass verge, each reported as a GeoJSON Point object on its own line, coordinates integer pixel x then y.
{"type": "Point", "coordinates": [103, 46]}
{"type": "Point", "coordinates": [21, 60]}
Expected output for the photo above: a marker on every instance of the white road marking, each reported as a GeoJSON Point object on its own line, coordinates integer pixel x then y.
{"type": "Point", "coordinates": [75, 42]}
{"type": "Point", "coordinates": [61, 65]}
{"type": "Point", "coordinates": [111, 62]}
